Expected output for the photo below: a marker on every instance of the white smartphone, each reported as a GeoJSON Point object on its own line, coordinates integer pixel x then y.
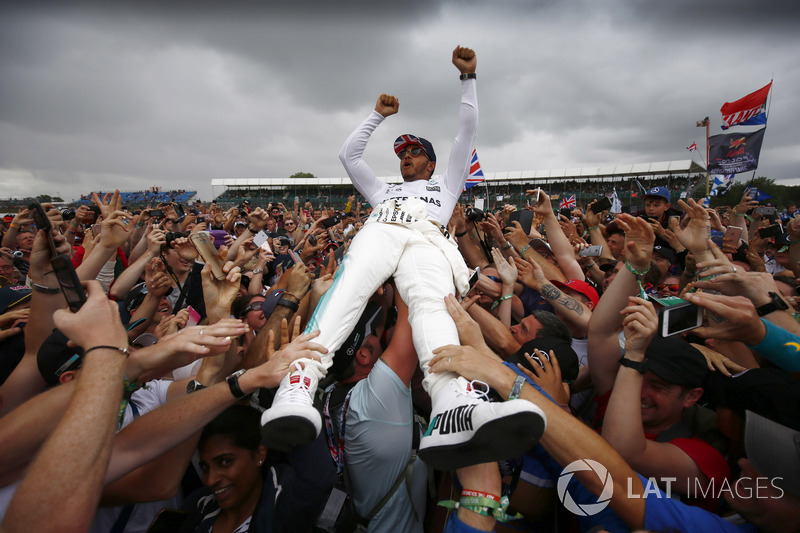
{"type": "Point", "coordinates": [679, 318]}
{"type": "Point", "coordinates": [473, 279]}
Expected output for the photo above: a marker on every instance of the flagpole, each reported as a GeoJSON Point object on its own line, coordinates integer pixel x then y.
{"type": "Point", "coordinates": [707, 123]}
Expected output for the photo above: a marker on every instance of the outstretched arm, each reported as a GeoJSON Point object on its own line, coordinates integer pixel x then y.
{"type": "Point", "coordinates": [352, 152]}
{"type": "Point", "coordinates": [455, 176]}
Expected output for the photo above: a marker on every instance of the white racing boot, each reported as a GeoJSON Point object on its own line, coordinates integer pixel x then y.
{"type": "Point", "coordinates": [292, 420]}
{"type": "Point", "coordinates": [466, 429]}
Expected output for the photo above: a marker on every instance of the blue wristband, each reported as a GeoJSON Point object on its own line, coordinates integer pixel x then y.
{"type": "Point", "coordinates": [779, 346]}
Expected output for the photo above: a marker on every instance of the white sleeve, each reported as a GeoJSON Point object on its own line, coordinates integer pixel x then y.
{"type": "Point", "coordinates": [455, 177]}
{"type": "Point", "coordinates": [351, 156]}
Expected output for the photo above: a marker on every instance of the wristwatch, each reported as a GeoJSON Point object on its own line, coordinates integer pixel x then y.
{"type": "Point", "coordinates": [468, 76]}
{"type": "Point", "coordinates": [233, 383]}
{"type": "Point", "coordinates": [776, 304]}
{"type": "Point", "coordinates": [640, 367]}
{"type": "Point", "coordinates": [194, 386]}
{"type": "Point", "coordinates": [257, 271]}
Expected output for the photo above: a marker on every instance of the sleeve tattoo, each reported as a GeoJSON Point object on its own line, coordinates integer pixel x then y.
{"type": "Point", "coordinates": [551, 293]}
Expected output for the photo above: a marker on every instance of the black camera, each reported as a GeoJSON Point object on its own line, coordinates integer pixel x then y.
{"type": "Point", "coordinates": [330, 222]}
{"type": "Point", "coordinates": [67, 214]}
{"type": "Point", "coordinates": [474, 214]}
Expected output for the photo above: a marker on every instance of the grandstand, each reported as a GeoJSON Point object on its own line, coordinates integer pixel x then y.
{"type": "Point", "coordinates": [684, 178]}
{"type": "Point", "coordinates": [151, 197]}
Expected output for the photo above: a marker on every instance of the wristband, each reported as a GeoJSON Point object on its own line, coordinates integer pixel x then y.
{"type": "Point", "coordinates": [124, 351]}
{"type": "Point", "coordinates": [640, 367]}
{"type": "Point", "coordinates": [522, 253]}
{"type": "Point", "coordinates": [638, 274]}
{"type": "Point", "coordinates": [12, 225]}
{"type": "Point", "coordinates": [288, 303]}
{"type": "Point", "coordinates": [507, 246]}
{"type": "Point", "coordinates": [501, 299]}
{"type": "Point", "coordinates": [517, 388]}
{"type": "Point", "coordinates": [44, 289]}
{"type": "Point", "coordinates": [594, 228]}
{"type": "Point", "coordinates": [462, 233]}
{"type": "Point", "coordinates": [469, 76]}
{"type": "Point", "coordinates": [253, 231]}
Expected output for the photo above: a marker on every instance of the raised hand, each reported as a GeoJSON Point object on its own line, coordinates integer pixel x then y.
{"type": "Point", "coordinates": [387, 105]}
{"type": "Point", "coordinates": [464, 59]}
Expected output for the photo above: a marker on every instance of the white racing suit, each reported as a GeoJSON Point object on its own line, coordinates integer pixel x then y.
{"type": "Point", "coordinates": [404, 238]}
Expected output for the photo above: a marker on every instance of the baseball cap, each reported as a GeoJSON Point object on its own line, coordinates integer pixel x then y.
{"type": "Point", "coordinates": [661, 192]}
{"type": "Point", "coordinates": [13, 295]}
{"type": "Point", "coordinates": [774, 450]}
{"type": "Point", "coordinates": [782, 242]}
{"type": "Point", "coordinates": [364, 328]}
{"type": "Point", "coordinates": [677, 362]}
{"type": "Point", "coordinates": [8, 218]}
{"type": "Point", "coordinates": [404, 140]}
{"type": "Point", "coordinates": [567, 358]}
{"type": "Point", "coordinates": [580, 286]}
{"type": "Point", "coordinates": [667, 252]}
{"type": "Point", "coordinates": [55, 357]}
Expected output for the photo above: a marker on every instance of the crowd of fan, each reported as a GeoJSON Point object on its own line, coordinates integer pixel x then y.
{"type": "Point", "coordinates": [572, 303]}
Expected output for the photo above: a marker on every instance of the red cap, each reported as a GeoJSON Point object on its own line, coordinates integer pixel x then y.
{"type": "Point", "coordinates": [580, 286]}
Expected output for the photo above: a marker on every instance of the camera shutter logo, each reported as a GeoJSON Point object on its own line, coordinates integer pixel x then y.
{"type": "Point", "coordinates": [586, 509]}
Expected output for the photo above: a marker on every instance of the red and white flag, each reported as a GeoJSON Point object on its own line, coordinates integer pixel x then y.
{"type": "Point", "coordinates": [692, 147]}
{"type": "Point", "coordinates": [568, 202]}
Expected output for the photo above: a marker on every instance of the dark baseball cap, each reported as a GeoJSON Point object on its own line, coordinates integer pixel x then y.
{"type": "Point", "coordinates": [567, 358]}
{"type": "Point", "coordinates": [676, 361]}
{"type": "Point", "coordinates": [13, 295]}
{"type": "Point", "coordinates": [55, 357]}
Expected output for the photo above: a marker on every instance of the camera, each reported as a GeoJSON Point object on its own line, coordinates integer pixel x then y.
{"type": "Point", "coordinates": [16, 254]}
{"type": "Point", "coordinates": [330, 222]}
{"type": "Point", "coordinates": [67, 214]}
{"type": "Point", "coordinates": [284, 241]}
{"type": "Point", "coordinates": [474, 214]}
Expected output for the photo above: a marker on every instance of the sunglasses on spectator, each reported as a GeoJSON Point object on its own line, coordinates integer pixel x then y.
{"type": "Point", "coordinates": [494, 278]}
{"type": "Point", "coordinates": [254, 306]}
{"type": "Point", "coordinates": [414, 151]}
{"type": "Point", "coordinates": [144, 340]}
{"type": "Point", "coordinates": [672, 287]}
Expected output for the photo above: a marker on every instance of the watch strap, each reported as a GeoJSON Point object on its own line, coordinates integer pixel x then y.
{"type": "Point", "coordinates": [775, 304]}
{"type": "Point", "coordinates": [639, 366]}
{"type": "Point", "coordinates": [233, 384]}
{"type": "Point", "coordinates": [288, 303]}
{"type": "Point", "coordinates": [468, 76]}
{"type": "Point", "coordinates": [194, 386]}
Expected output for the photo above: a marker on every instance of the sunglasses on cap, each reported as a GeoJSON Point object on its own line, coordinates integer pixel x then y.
{"type": "Point", "coordinates": [413, 151]}
{"type": "Point", "coordinates": [672, 287]}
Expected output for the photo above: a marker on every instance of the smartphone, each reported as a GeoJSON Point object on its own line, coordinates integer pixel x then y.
{"type": "Point", "coordinates": [766, 211]}
{"type": "Point", "coordinates": [42, 221]}
{"type": "Point", "coordinates": [330, 222]}
{"type": "Point", "coordinates": [769, 231]}
{"type": "Point", "coordinates": [295, 257]}
{"type": "Point", "coordinates": [524, 217]}
{"type": "Point", "coordinates": [157, 213]}
{"type": "Point", "coordinates": [566, 212]}
{"type": "Point", "coordinates": [603, 204]}
{"type": "Point", "coordinates": [733, 234]}
{"type": "Point", "coordinates": [218, 236]}
{"type": "Point", "coordinates": [205, 247]}
{"type": "Point", "coordinates": [473, 279]}
{"type": "Point", "coordinates": [537, 194]}
{"type": "Point", "coordinates": [167, 521]}
{"type": "Point", "coordinates": [96, 228]}
{"type": "Point", "coordinates": [678, 318]}
{"type": "Point", "coordinates": [591, 251]}
{"type": "Point", "coordinates": [194, 317]}
{"type": "Point", "coordinates": [68, 281]}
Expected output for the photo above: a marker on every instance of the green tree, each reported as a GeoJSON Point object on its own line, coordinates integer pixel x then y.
{"type": "Point", "coordinates": [302, 175]}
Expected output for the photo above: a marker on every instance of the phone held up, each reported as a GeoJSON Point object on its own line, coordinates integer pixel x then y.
{"type": "Point", "coordinates": [679, 318]}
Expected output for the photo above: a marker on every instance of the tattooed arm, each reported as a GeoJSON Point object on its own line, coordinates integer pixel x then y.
{"type": "Point", "coordinates": [571, 309]}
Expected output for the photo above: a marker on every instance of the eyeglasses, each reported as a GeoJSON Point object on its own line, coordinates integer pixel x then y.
{"type": "Point", "coordinates": [288, 222]}
{"type": "Point", "coordinates": [414, 151]}
{"type": "Point", "coordinates": [672, 287]}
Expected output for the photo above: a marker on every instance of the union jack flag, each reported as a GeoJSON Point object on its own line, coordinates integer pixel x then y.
{"type": "Point", "coordinates": [692, 147]}
{"type": "Point", "coordinates": [403, 140]}
{"type": "Point", "coordinates": [570, 202]}
{"type": "Point", "coordinates": [475, 173]}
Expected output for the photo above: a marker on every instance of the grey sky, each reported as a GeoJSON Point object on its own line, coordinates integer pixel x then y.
{"type": "Point", "coordinates": [102, 96]}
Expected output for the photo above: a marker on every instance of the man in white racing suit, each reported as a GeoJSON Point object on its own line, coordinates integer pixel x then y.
{"type": "Point", "coordinates": [405, 238]}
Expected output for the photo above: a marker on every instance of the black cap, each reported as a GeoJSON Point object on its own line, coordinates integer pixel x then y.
{"type": "Point", "coordinates": [364, 328]}
{"type": "Point", "coordinates": [676, 361]}
{"type": "Point", "coordinates": [55, 357]}
{"type": "Point", "coordinates": [567, 358]}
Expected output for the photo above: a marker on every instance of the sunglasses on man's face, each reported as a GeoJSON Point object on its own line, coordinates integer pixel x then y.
{"type": "Point", "coordinates": [672, 287]}
{"type": "Point", "coordinates": [413, 151]}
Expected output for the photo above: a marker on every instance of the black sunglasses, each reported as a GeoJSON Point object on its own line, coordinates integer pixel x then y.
{"type": "Point", "coordinates": [414, 151]}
